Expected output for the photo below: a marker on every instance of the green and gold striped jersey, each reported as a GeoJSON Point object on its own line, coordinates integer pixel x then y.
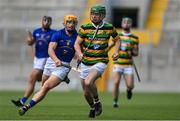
{"type": "Point", "coordinates": [128, 41]}
{"type": "Point", "coordinates": [96, 50]}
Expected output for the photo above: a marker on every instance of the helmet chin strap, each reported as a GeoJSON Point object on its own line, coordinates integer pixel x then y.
{"type": "Point", "coordinates": [97, 23]}
{"type": "Point", "coordinates": [100, 24]}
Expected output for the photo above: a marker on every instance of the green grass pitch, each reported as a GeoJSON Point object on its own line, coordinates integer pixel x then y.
{"type": "Point", "coordinates": [72, 106]}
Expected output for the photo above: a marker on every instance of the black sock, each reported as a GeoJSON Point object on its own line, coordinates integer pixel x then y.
{"type": "Point", "coordinates": [115, 100]}
{"type": "Point", "coordinates": [129, 89]}
{"type": "Point", "coordinates": [92, 105]}
{"type": "Point", "coordinates": [96, 99]}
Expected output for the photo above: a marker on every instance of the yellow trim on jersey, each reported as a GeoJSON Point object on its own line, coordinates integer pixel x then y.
{"type": "Point", "coordinates": [124, 60]}
{"type": "Point", "coordinates": [96, 42]}
{"type": "Point", "coordinates": [129, 38]}
{"type": "Point", "coordinates": [94, 58]}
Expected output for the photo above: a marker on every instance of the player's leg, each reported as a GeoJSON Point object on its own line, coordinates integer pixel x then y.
{"type": "Point", "coordinates": [58, 74]}
{"type": "Point", "coordinates": [36, 75]}
{"type": "Point", "coordinates": [129, 80]}
{"type": "Point", "coordinates": [83, 75]}
{"type": "Point", "coordinates": [96, 71]}
{"type": "Point", "coordinates": [91, 87]}
{"type": "Point", "coordinates": [97, 103]}
{"type": "Point", "coordinates": [85, 82]}
{"type": "Point", "coordinates": [44, 78]}
{"type": "Point", "coordinates": [89, 92]}
{"type": "Point", "coordinates": [46, 74]}
{"type": "Point", "coordinates": [116, 83]}
{"type": "Point", "coordinates": [52, 82]}
{"type": "Point", "coordinates": [117, 74]}
{"type": "Point", "coordinates": [89, 98]}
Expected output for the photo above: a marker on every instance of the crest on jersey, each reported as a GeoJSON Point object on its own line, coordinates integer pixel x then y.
{"type": "Point", "coordinates": [37, 34]}
{"type": "Point", "coordinates": [48, 37]}
{"type": "Point", "coordinates": [97, 46]}
{"type": "Point", "coordinates": [68, 42]}
{"type": "Point", "coordinates": [124, 46]}
{"type": "Point", "coordinates": [42, 35]}
{"type": "Point", "coordinates": [65, 52]}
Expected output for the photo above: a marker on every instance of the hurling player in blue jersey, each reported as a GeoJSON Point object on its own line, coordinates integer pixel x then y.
{"type": "Point", "coordinates": [61, 52]}
{"type": "Point", "coordinates": [40, 38]}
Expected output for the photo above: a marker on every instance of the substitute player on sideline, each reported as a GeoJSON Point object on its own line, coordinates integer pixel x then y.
{"type": "Point", "coordinates": [41, 38]}
{"type": "Point", "coordinates": [124, 65]}
{"type": "Point", "coordinates": [93, 52]}
{"type": "Point", "coordinates": [61, 51]}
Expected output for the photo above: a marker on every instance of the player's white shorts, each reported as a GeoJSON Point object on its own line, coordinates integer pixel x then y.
{"type": "Point", "coordinates": [100, 67]}
{"type": "Point", "coordinates": [123, 69]}
{"type": "Point", "coordinates": [39, 63]}
{"type": "Point", "coordinates": [51, 69]}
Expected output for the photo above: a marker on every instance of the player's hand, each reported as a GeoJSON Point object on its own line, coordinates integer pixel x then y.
{"type": "Point", "coordinates": [80, 56]}
{"type": "Point", "coordinates": [129, 53]}
{"type": "Point", "coordinates": [115, 56]}
{"type": "Point", "coordinates": [29, 39]}
{"type": "Point", "coordinates": [58, 63]}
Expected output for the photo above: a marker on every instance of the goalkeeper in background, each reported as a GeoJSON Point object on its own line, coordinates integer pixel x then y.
{"type": "Point", "coordinates": [40, 38]}
{"type": "Point", "coordinates": [124, 65]}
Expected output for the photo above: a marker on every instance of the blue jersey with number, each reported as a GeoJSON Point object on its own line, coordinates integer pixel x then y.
{"type": "Point", "coordinates": [42, 39]}
{"type": "Point", "coordinates": [65, 45]}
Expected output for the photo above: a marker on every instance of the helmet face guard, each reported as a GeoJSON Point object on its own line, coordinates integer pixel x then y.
{"type": "Point", "coordinates": [99, 9]}
{"type": "Point", "coordinates": [127, 20]}
{"type": "Point", "coordinates": [126, 24]}
{"type": "Point", "coordinates": [70, 18]}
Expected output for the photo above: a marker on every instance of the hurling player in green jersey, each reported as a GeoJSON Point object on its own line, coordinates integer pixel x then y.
{"type": "Point", "coordinates": [123, 66]}
{"type": "Point", "coordinates": [92, 48]}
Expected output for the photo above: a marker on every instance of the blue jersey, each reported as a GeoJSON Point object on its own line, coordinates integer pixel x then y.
{"type": "Point", "coordinates": [65, 45]}
{"type": "Point", "coordinates": [42, 39]}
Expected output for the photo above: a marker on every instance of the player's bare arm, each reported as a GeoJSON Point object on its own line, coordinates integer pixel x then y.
{"type": "Point", "coordinates": [75, 56]}
{"type": "Point", "coordinates": [51, 52]}
{"type": "Point", "coordinates": [30, 39]}
{"type": "Point", "coordinates": [77, 47]}
{"type": "Point", "coordinates": [110, 45]}
{"type": "Point", "coordinates": [117, 46]}
{"type": "Point", "coordinates": [135, 50]}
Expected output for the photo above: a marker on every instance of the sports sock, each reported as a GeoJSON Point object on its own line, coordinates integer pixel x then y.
{"type": "Point", "coordinates": [32, 103]}
{"type": "Point", "coordinates": [92, 105]}
{"type": "Point", "coordinates": [23, 100]}
{"type": "Point", "coordinates": [129, 89]}
{"type": "Point", "coordinates": [115, 100]}
{"type": "Point", "coordinates": [96, 99]}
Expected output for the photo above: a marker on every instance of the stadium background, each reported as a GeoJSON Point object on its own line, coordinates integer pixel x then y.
{"type": "Point", "coordinates": [156, 22]}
